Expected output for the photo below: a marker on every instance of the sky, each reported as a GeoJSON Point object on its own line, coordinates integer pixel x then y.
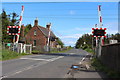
{"type": "Point", "coordinates": [70, 20]}
{"type": "Point", "coordinates": [60, 0]}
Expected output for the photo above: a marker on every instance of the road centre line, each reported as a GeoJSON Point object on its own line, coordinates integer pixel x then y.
{"type": "Point", "coordinates": [30, 67]}
{"type": "Point", "coordinates": [21, 70]}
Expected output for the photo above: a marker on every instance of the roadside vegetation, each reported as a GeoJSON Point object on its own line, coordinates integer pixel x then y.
{"type": "Point", "coordinates": [96, 63]}
{"type": "Point", "coordinates": [61, 50]}
{"type": "Point", "coordinates": [7, 55]}
{"type": "Point", "coordinates": [87, 43]}
{"type": "Point", "coordinates": [88, 49]}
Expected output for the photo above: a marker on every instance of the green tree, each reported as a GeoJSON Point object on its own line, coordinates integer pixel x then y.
{"type": "Point", "coordinates": [13, 17]}
{"type": "Point", "coordinates": [86, 38]}
{"type": "Point", "coordinates": [27, 28]}
{"type": "Point", "coordinates": [79, 43]}
{"type": "Point", "coordinates": [5, 23]}
{"type": "Point", "coordinates": [60, 42]}
{"type": "Point", "coordinates": [8, 21]}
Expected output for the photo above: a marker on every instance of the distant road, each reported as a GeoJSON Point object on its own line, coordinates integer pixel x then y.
{"type": "Point", "coordinates": [42, 66]}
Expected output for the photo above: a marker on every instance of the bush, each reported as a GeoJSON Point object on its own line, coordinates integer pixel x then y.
{"type": "Point", "coordinates": [85, 47]}
{"type": "Point", "coordinates": [7, 54]}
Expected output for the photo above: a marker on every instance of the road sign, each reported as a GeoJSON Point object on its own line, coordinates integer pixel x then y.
{"type": "Point", "coordinates": [99, 32]}
{"type": "Point", "coordinates": [8, 44]}
{"type": "Point", "coordinates": [13, 30]}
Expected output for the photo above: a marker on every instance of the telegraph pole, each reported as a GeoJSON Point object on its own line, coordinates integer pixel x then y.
{"type": "Point", "coordinates": [99, 33]}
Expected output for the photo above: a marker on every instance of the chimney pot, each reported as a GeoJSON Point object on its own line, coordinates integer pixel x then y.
{"type": "Point", "coordinates": [48, 26]}
{"type": "Point", "coordinates": [36, 22]}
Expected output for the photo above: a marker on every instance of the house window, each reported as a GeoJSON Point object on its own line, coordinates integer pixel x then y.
{"type": "Point", "coordinates": [35, 32]}
{"type": "Point", "coordinates": [34, 42]}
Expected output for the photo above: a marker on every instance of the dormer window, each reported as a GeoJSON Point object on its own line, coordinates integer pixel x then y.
{"type": "Point", "coordinates": [35, 32]}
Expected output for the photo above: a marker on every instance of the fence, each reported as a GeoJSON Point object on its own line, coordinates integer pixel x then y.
{"type": "Point", "coordinates": [39, 48]}
{"type": "Point", "coordinates": [28, 48]}
{"type": "Point", "coordinates": [18, 47]}
{"type": "Point", "coordinates": [110, 56]}
{"type": "Point", "coordinates": [44, 48]}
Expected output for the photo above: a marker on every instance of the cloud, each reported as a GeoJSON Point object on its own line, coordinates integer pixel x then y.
{"type": "Point", "coordinates": [82, 29]}
{"type": "Point", "coordinates": [77, 30]}
{"type": "Point", "coordinates": [112, 27]}
{"type": "Point", "coordinates": [70, 42]}
{"type": "Point", "coordinates": [70, 39]}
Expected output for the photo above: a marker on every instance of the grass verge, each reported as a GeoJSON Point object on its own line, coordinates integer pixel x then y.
{"type": "Point", "coordinates": [89, 50]}
{"type": "Point", "coordinates": [7, 54]}
{"type": "Point", "coordinates": [96, 63]}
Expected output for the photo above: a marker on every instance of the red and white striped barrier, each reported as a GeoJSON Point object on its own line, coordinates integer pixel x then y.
{"type": "Point", "coordinates": [20, 22]}
{"type": "Point", "coordinates": [100, 16]}
{"type": "Point", "coordinates": [100, 20]}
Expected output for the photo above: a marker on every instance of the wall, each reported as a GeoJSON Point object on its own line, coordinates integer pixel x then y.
{"type": "Point", "coordinates": [110, 56]}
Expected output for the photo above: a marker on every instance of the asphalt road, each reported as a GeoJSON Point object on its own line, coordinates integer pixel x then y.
{"type": "Point", "coordinates": [43, 66]}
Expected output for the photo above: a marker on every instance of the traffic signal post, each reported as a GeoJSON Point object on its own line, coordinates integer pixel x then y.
{"type": "Point", "coordinates": [99, 33]}
{"type": "Point", "coordinates": [15, 30]}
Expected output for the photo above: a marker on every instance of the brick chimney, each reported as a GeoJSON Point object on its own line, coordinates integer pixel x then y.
{"type": "Point", "coordinates": [48, 26]}
{"type": "Point", "coordinates": [36, 22]}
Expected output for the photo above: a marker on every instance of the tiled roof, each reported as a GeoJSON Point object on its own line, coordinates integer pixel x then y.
{"type": "Point", "coordinates": [46, 31]}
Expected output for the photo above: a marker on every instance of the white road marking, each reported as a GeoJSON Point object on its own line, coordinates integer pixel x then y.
{"type": "Point", "coordinates": [19, 71]}
{"type": "Point", "coordinates": [31, 56]}
{"type": "Point", "coordinates": [66, 75]}
{"type": "Point", "coordinates": [87, 66]}
{"type": "Point", "coordinates": [82, 60]}
{"type": "Point", "coordinates": [30, 67]}
{"type": "Point", "coordinates": [72, 53]}
{"type": "Point", "coordinates": [53, 59]}
{"type": "Point", "coordinates": [35, 59]}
